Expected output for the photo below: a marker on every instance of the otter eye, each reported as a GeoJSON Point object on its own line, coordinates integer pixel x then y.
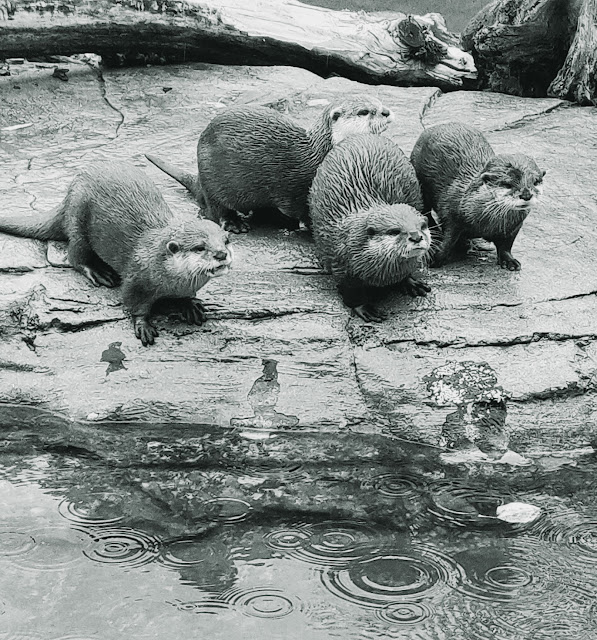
{"type": "Point", "coordinates": [424, 224]}
{"type": "Point", "coordinates": [538, 181]}
{"type": "Point", "coordinates": [370, 231]}
{"type": "Point", "coordinates": [363, 112]}
{"type": "Point", "coordinates": [173, 246]}
{"type": "Point", "coordinates": [507, 184]}
{"type": "Point", "coordinates": [385, 113]}
{"type": "Point", "coordinates": [393, 232]}
{"type": "Point", "coordinates": [198, 248]}
{"type": "Point", "coordinates": [227, 240]}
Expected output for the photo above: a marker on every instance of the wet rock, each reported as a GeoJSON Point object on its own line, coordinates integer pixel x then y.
{"type": "Point", "coordinates": [280, 371]}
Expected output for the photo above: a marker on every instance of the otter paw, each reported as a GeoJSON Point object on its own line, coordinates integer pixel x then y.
{"type": "Point", "coordinates": [414, 287]}
{"type": "Point", "coordinates": [510, 263]}
{"type": "Point", "coordinates": [236, 226]}
{"type": "Point", "coordinates": [367, 313]}
{"type": "Point", "coordinates": [101, 277]}
{"type": "Point", "coordinates": [145, 331]}
{"type": "Point", "coordinates": [194, 312]}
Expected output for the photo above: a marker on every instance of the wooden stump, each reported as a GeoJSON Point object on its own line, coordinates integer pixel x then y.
{"type": "Point", "coordinates": [402, 50]}
{"type": "Point", "coordinates": [536, 48]}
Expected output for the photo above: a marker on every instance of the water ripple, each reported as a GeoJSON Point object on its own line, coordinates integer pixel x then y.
{"type": "Point", "coordinates": [275, 468]}
{"type": "Point", "coordinates": [127, 547]}
{"type": "Point", "coordinates": [260, 602]}
{"type": "Point", "coordinates": [225, 509]}
{"type": "Point", "coordinates": [394, 576]}
{"type": "Point", "coordinates": [15, 543]}
{"type": "Point", "coordinates": [91, 512]}
{"type": "Point", "coordinates": [187, 552]}
{"type": "Point", "coordinates": [53, 549]}
{"type": "Point", "coordinates": [207, 605]}
{"type": "Point", "coordinates": [405, 613]}
{"type": "Point", "coordinates": [394, 485]}
{"type": "Point", "coordinates": [463, 505]}
{"type": "Point", "coordinates": [325, 543]}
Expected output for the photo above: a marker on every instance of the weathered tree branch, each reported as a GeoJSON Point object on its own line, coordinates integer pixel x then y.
{"type": "Point", "coordinates": [405, 50]}
{"type": "Point", "coordinates": [577, 79]}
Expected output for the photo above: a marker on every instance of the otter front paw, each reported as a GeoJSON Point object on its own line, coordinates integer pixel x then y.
{"type": "Point", "coordinates": [144, 330]}
{"type": "Point", "coordinates": [507, 261]}
{"type": "Point", "coordinates": [368, 313]}
{"type": "Point", "coordinates": [235, 224]}
{"type": "Point", "coordinates": [414, 287]}
{"type": "Point", "coordinates": [193, 311]}
{"type": "Point", "coordinates": [106, 277]}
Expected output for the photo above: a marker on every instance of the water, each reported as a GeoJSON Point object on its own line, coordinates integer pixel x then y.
{"type": "Point", "coordinates": [98, 549]}
{"type": "Point", "coordinates": [457, 13]}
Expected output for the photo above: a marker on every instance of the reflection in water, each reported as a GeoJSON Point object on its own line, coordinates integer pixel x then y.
{"type": "Point", "coordinates": [93, 552]}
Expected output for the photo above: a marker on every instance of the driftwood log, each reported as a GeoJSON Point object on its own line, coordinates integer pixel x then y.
{"type": "Point", "coordinates": [401, 50]}
{"type": "Point", "coordinates": [536, 48]}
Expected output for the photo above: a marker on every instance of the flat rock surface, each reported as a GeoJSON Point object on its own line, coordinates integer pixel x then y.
{"type": "Point", "coordinates": [492, 366]}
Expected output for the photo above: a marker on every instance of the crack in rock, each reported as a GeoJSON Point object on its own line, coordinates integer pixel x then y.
{"type": "Point", "coordinates": [530, 118]}
{"type": "Point", "coordinates": [97, 68]}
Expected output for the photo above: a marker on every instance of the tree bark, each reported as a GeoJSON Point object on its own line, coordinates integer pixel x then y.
{"type": "Point", "coordinates": [520, 45]}
{"type": "Point", "coordinates": [537, 48]}
{"type": "Point", "coordinates": [403, 50]}
{"type": "Point", "coordinates": [577, 79]}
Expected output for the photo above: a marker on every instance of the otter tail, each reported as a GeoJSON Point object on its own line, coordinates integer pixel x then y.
{"type": "Point", "coordinates": [50, 229]}
{"type": "Point", "coordinates": [187, 180]}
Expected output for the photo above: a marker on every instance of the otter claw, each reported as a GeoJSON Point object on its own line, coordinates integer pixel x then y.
{"type": "Point", "coordinates": [237, 226]}
{"type": "Point", "coordinates": [368, 313]}
{"type": "Point", "coordinates": [510, 263]}
{"type": "Point", "coordinates": [145, 331]}
{"type": "Point", "coordinates": [194, 312]}
{"type": "Point", "coordinates": [414, 287]}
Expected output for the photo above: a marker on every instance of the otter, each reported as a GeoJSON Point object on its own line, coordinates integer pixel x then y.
{"type": "Point", "coordinates": [253, 157]}
{"type": "Point", "coordinates": [474, 192]}
{"type": "Point", "coordinates": [119, 229]}
{"type": "Point", "coordinates": [369, 233]}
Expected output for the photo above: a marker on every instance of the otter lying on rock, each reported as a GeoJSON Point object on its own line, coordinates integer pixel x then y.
{"type": "Point", "coordinates": [474, 192]}
{"type": "Point", "coordinates": [252, 157]}
{"type": "Point", "coordinates": [120, 229]}
{"type": "Point", "coordinates": [368, 230]}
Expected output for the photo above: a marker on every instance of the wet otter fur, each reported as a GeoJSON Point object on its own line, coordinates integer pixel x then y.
{"type": "Point", "coordinates": [474, 192]}
{"type": "Point", "coordinates": [365, 211]}
{"type": "Point", "coordinates": [253, 157]}
{"type": "Point", "coordinates": [120, 229]}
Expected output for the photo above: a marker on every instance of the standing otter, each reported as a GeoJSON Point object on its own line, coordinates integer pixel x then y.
{"type": "Point", "coordinates": [119, 228]}
{"type": "Point", "coordinates": [252, 157]}
{"type": "Point", "coordinates": [474, 192]}
{"type": "Point", "coordinates": [365, 202]}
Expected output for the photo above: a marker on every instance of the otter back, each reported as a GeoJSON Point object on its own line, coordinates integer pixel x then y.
{"type": "Point", "coordinates": [255, 157]}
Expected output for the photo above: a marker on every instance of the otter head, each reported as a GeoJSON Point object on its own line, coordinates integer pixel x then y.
{"type": "Point", "coordinates": [198, 250]}
{"type": "Point", "coordinates": [391, 238]}
{"type": "Point", "coordinates": [514, 180]}
{"type": "Point", "coordinates": [356, 115]}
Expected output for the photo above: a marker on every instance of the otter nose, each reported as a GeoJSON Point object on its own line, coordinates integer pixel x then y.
{"type": "Point", "coordinates": [415, 236]}
{"type": "Point", "coordinates": [526, 194]}
{"type": "Point", "coordinates": [220, 255]}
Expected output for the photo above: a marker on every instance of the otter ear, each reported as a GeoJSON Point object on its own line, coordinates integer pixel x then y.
{"type": "Point", "coordinates": [173, 246]}
{"type": "Point", "coordinates": [543, 172]}
{"type": "Point", "coordinates": [335, 114]}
